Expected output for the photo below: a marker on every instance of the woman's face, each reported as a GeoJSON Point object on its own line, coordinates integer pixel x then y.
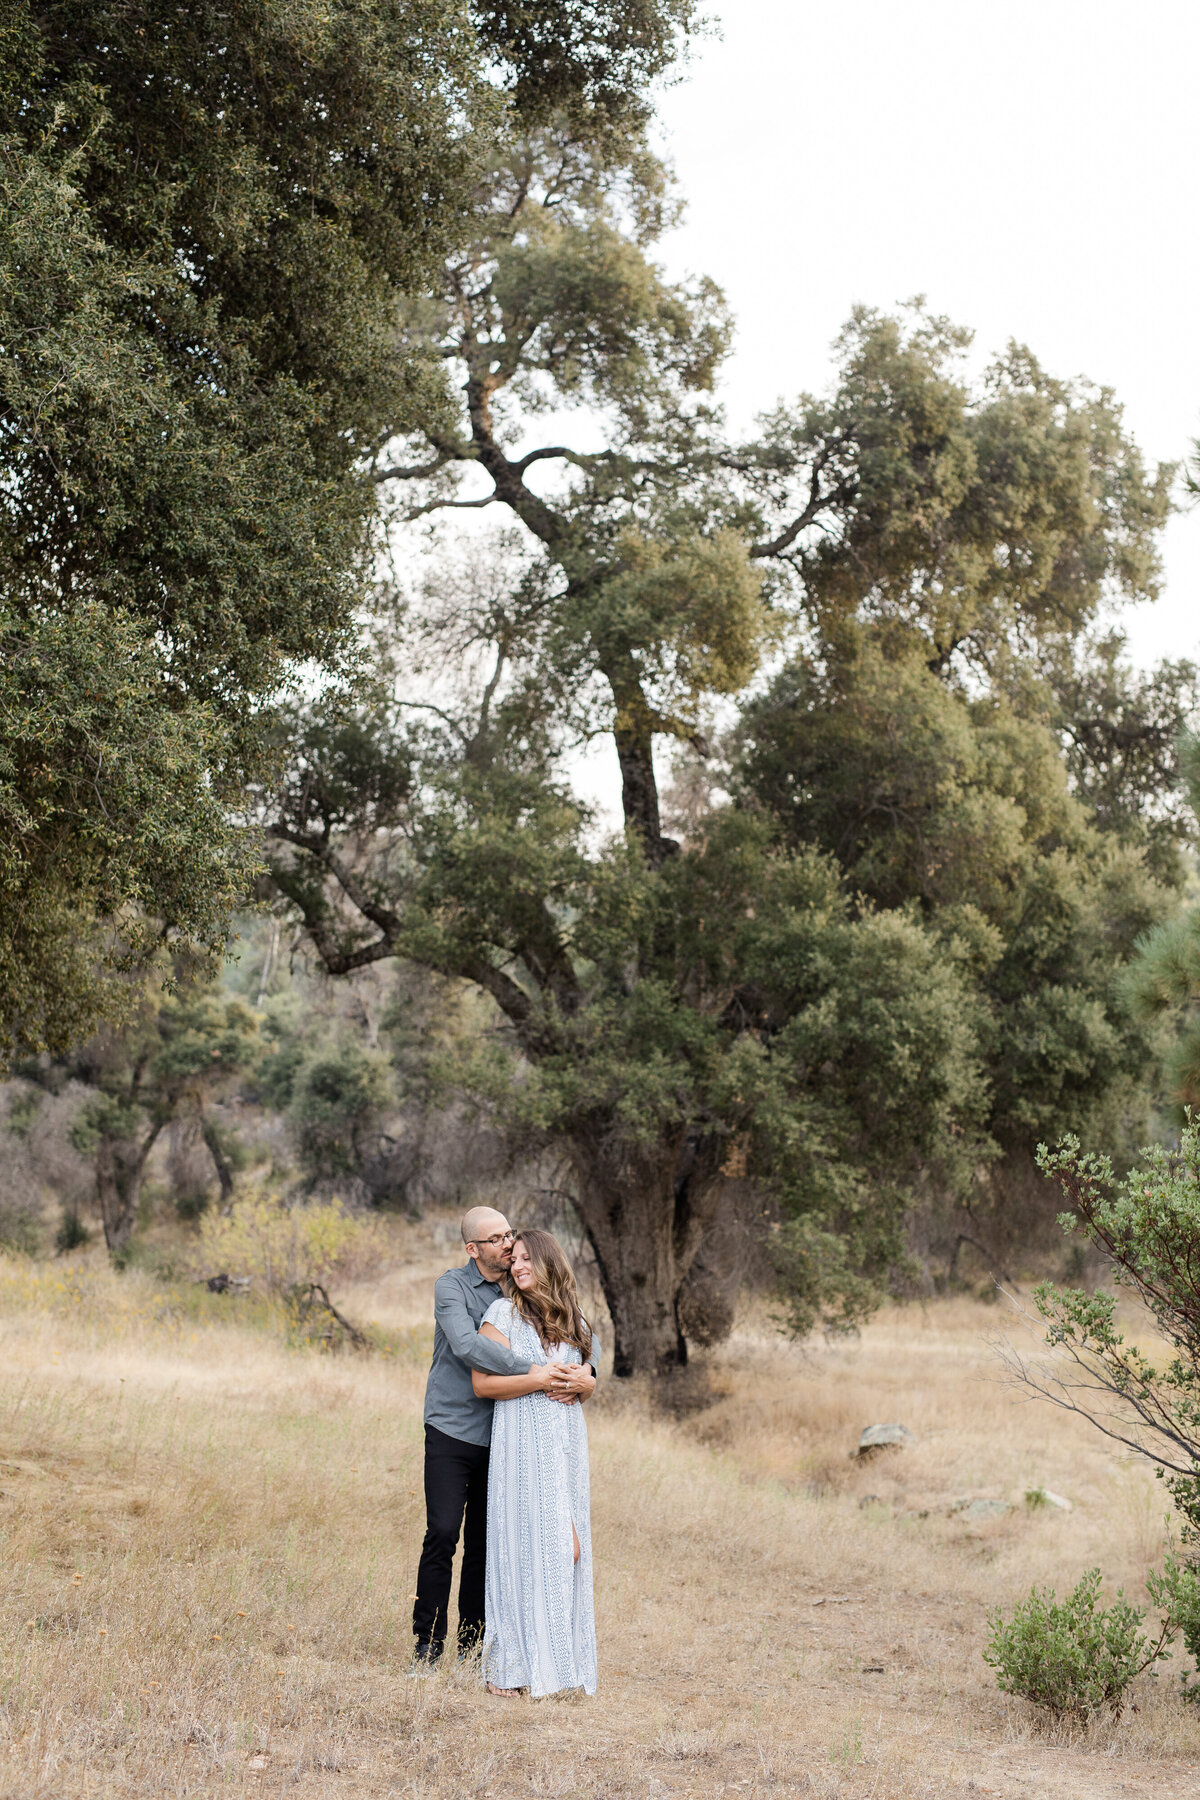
{"type": "Point", "coordinates": [521, 1268]}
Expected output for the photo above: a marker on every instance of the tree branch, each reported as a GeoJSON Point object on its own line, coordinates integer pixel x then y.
{"type": "Point", "coordinates": [544, 455]}
{"type": "Point", "coordinates": [511, 998]}
{"type": "Point", "coordinates": [419, 512]}
{"type": "Point", "coordinates": [417, 471]}
{"type": "Point", "coordinates": [816, 504]}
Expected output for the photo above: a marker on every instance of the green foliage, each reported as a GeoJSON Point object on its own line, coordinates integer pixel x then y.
{"type": "Point", "coordinates": [1177, 1592]}
{"type": "Point", "coordinates": [210, 221]}
{"type": "Point", "coordinates": [821, 1277]}
{"type": "Point", "coordinates": [173, 1056]}
{"type": "Point", "coordinates": [181, 518]}
{"type": "Point", "coordinates": [922, 792]}
{"type": "Point", "coordinates": [72, 1234]}
{"type": "Point", "coordinates": [1121, 730]}
{"type": "Point", "coordinates": [953, 806]}
{"type": "Point", "coordinates": [1164, 980]}
{"type": "Point", "coordinates": [983, 521]}
{"type": "Point", "coordinates": [1148, 1226]}
{"type": "Point", "coordinates": [593, 61]}
{"type": "Point", "coordinates": [20, 1224]}
{"type": "Point", "coordinates": [22, 1111]}
{"type": "Point", "coordinates": [335, 1104]}
{"type": "Point", "coordinates": [1073, 1657]}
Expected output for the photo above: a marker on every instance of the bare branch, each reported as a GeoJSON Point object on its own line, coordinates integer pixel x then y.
{"type": "Point", "coordinates": [417, 471]}
{"type": "Point", "coordinates": [1141, 1416]}
{"type": "Point", "coordinates": [439, 712]}
{"type": "Point", "coordinates": [544, 455]}
{"type": "Point", "coordinates": [418, 512]}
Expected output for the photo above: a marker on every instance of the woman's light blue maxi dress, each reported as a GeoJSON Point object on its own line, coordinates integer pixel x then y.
{"type": "Point", "coordinates": [541, 1630]}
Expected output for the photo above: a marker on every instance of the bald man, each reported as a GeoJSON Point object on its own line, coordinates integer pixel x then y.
{"type": "Point", "coordinates": [458, 1433]}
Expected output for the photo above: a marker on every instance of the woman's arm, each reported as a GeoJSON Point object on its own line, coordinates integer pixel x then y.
{"type": "Point", "coordinates": [511, 1387]}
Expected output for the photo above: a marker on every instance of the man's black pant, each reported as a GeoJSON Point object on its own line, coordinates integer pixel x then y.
{"type": "Point", "coordinates": [456, 1476]}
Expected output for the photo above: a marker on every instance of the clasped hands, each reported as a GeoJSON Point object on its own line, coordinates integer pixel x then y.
{"type": "Point", "coordinates": [567, 1382]}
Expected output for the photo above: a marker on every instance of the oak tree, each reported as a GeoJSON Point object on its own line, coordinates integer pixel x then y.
{"type": "Point", "coordinates": [210, 219]}
{"type": "Point", "coordinates": [676, 1017]}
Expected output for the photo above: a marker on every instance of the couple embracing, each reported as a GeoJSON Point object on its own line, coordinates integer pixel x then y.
{"type": "Point", "coordinates": [506, 1450]}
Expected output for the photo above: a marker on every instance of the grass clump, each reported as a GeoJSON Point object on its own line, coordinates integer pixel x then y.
{"type": "Point", "coordinates": [1073, 1657]}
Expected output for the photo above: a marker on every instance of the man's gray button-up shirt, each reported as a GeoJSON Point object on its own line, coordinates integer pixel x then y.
{"type": "Point", "coordinates": [460, 1299]}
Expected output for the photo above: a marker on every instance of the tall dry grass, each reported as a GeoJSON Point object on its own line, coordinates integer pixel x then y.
{"type": "Point", "coordinates": [208, 1540]}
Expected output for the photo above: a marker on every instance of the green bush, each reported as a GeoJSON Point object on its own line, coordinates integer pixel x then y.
{"type": "Point", "coordinates": [20, 1231]}
{"type": "Point", "coordinates": [72, 1234]}
{"type": "Point", "coordinates": [1073, 1657]}
{"type": "Point", "coordinates": [337, 1101]}
{"type": "Point", "coordinates": [822, 1278]}
{"type": "Point", "coordinates": [1177, 1591]}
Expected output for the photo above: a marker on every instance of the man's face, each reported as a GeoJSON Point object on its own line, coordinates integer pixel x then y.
{"type": "Point", "coordinates": [492, 1249]}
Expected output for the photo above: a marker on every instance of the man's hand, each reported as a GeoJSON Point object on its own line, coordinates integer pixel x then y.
{"type": "Point", "coordinates": [572, 1382]}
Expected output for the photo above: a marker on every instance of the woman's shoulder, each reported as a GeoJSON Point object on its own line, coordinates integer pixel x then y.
{"type": "Point", "coordinates": [499, 1314]}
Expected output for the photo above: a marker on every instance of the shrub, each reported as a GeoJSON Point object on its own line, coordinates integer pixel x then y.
{"type": "Point", "coordinates": [72, 1234]}
{"type": "Point", "coordinates": [1148, 1226]}
{"type": "Point", "coordinates": [1177, 1591]}
{"type": "Point", "coordinates": [1073, 1657]}
{"type": "Point", "coordinates": [337, 1100]}
{"type": "Point", "coordinates": [284, 1246]}
{"type": "Point", "coordinates": [20, 1230]}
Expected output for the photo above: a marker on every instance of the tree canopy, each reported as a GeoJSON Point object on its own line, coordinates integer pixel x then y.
{"type": "Point", "coordinates": [829, 1010]}
{"type": "Point", "coordinates": [956, 807]}
{"type": "Point", "coordinates": [210, 221]}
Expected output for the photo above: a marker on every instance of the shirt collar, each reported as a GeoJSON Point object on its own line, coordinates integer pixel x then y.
{"type": "Point", "coordinates": [476, 1275]}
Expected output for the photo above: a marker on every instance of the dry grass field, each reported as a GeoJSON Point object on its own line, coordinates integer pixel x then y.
{"type": "Point", "coordinates": [208, 1541]}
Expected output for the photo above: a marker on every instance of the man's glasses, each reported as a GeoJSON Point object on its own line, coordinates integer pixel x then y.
{"type": "Point", "coordinates": [494, 1243]}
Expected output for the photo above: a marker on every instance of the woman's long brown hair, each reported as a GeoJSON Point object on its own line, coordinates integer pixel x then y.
{"type": "Point", "coordinates": [551, 1305]}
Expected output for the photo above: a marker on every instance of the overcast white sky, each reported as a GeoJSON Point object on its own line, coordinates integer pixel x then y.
{"type": "Point", "coordinates": [1031, 168]}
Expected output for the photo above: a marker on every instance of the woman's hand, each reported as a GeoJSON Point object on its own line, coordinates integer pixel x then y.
{"type": "Point", "coordinates": [575, 1381]}
{"type": "Point", "coordinates": [550, 1375]}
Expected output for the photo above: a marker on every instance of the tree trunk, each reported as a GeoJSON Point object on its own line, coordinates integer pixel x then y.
{"type": "Point", "coordinates": [221, 1164]}
{"type": "Point", "coordinates": [645, 1211]}
{"type": "Point", "coordinates": [639, 789]}
{"type": "Point", "coordinates": [120, 1166]}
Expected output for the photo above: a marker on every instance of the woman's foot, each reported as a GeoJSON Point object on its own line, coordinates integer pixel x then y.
{"type": "Point", "coordinates": [504, 1693]}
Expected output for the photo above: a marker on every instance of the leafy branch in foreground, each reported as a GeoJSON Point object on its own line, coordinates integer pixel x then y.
{"type": "Point", "coordinates": [1149, 1228]}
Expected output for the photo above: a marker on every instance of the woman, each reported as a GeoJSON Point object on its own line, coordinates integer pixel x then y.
{"type": "Point", "coordinates": [541, 1633]}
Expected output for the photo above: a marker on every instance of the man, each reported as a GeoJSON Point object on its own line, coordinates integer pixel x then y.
{"type": "Point", "coordinates": [458, 1431]}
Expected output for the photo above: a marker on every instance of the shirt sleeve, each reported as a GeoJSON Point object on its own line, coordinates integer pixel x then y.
{"type": "Point", "coordinates": [458, 1327]}
{"type": "Point", "coordinates": [594, 1358]}
{"type": "Point", "coordinates": [499, 1314]}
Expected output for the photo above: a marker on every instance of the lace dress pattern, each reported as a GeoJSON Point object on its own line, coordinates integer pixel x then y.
{"type": "Point", "coordinates": [541, 1630]}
